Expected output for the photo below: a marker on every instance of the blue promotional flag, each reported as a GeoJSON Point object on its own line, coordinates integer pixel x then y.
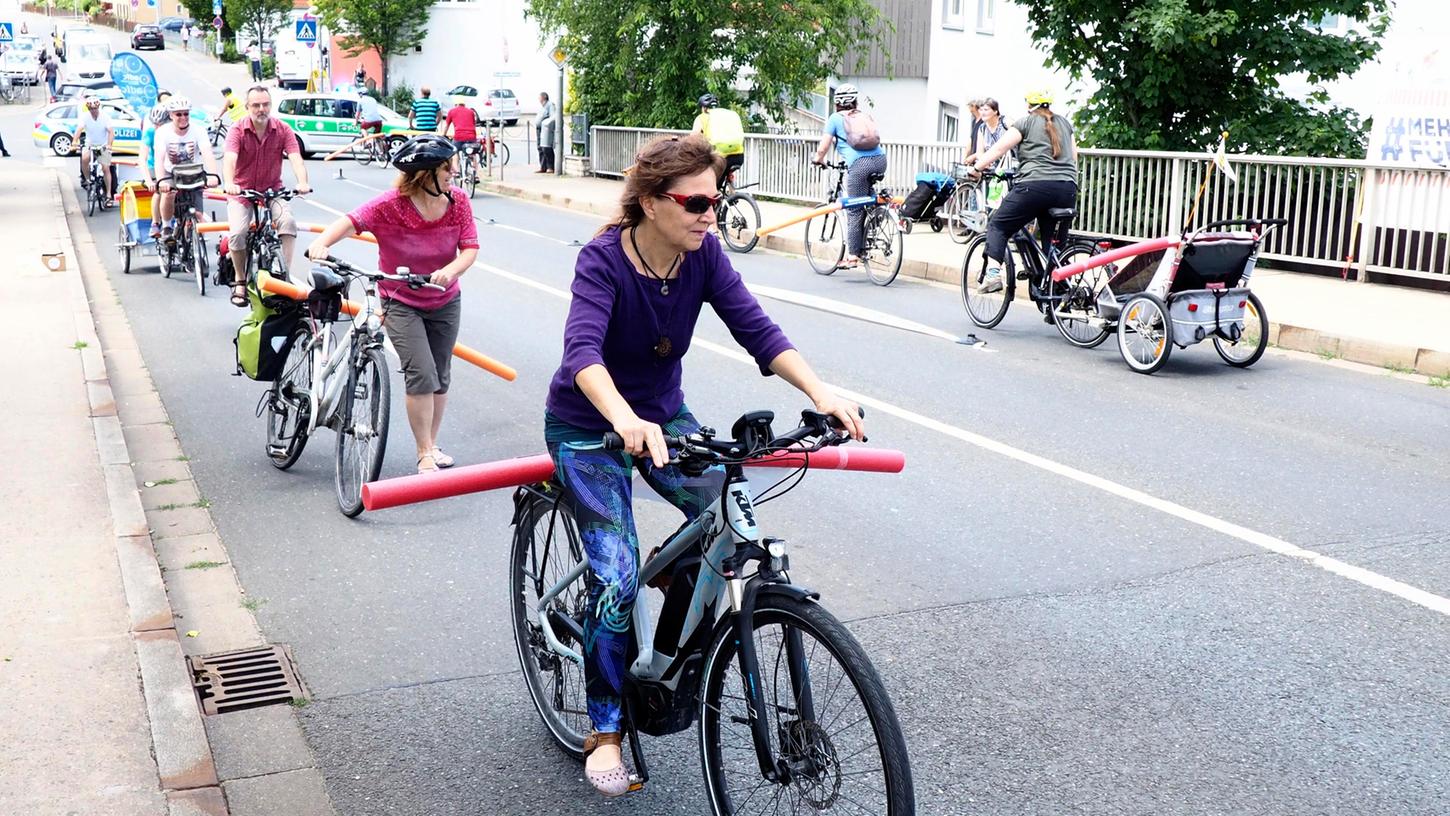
{"type": "Point", "coordinates": [134, 78]}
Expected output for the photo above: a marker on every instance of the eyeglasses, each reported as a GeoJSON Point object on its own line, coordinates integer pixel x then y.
{"type": "Point", "coordinates": [694, 204]}
{"type": "Point", "coordinates": [181, 113]}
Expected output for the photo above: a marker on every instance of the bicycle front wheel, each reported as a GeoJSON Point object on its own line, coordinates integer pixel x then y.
{"type": "Point", "coordinates": [362, 435]}
{"type": "Point", "coordinates": [546, 549]}
{"type": "Point", "coordinates": [829, 718]}
{"type": "Point", "coordinates": [825, 243]}
{"type": "Point", "coordinates": [739, 220]}
{"type": "Point", "coordinates": [200, 265]}
{"type": "Point", "coordinates": [985, 305]}
{"type": "Point", "coordinates": [287, 408]}
{"type": "Point", "coordinates": [885, 247]}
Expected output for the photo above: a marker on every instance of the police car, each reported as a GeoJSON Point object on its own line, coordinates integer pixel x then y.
{"type": "Point", "coordinates": [57, 121]}
{"type": "Point", "coordinates": [325, 122]}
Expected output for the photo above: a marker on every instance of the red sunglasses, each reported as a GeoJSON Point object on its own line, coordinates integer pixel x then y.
{"type": "Point", "coordinates": [694, 204]}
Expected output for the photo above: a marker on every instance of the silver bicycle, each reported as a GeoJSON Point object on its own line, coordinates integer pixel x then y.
{"type": "Point", "coordinates": [337, 380]}
{"type": "Point", "coordinates": [792, 715]}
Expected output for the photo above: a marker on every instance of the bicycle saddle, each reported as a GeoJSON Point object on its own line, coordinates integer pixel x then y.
{"type": "Point", "coordinates": [1062, 213]}
{"type": "Point", "coordinates": [324, 279]}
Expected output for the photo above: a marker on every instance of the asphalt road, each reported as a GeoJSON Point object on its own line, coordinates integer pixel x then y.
{"type": "Point", "coordinates": [1068, 591]}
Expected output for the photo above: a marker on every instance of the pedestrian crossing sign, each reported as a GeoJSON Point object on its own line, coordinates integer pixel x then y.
{"type": "Point", "coordinates": [306, 31]}
{"type": "Point", "coordinates": [7, 32]}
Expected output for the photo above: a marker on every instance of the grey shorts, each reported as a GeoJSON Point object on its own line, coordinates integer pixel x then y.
{"type": "Point", "coordinates": [424, 340]}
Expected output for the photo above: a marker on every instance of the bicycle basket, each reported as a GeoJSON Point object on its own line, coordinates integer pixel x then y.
{"type": "Point", "coordinates": [188, 177]}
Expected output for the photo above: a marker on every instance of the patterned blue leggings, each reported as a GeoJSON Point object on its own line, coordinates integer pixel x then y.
{"type": "Point", "coordinates": [599, 488]}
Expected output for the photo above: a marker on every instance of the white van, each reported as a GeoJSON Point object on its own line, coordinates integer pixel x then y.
{"type": "Point", "coordinates": [87, 55]}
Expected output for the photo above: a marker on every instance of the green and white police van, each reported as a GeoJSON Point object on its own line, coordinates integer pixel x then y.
{"type": "Point", "coordinates": [325, 122]}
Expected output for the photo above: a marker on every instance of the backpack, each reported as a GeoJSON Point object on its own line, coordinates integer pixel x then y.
{"type": "Point", "coordinates": [265, 336]}
{"type": "Point", "coordinates": [727, 134]}
{"type": "Point", "coordinates": [861, 131]}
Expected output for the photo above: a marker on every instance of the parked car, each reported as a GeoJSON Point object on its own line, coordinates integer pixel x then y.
{"type": "Point", "coordinates": [87, 58]}
{"type": "Point", "coordinates": [324, 122]}
{"type": "Point", "coordinates": [105, 89]}
{"type": "Point", "coordinates": [499, 105]}
{"type": "Point", "coordinates": [20, 63]}
{"type": "Point", "coordinates": [148, 36]}
{"type": "Point", "coordinates": [174, 24]}
{"type": "Point", "coordinates": [57, 121]}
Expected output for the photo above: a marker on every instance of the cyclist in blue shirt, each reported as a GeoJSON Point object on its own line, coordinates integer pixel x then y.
{"type": "Point", "coordinates": [157, 116]}
{"type": "Point", "coordinates": [860, 166]}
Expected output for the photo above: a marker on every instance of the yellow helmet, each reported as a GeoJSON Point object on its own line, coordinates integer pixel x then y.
{"type": "Point", "coordinates": [1039, 97]}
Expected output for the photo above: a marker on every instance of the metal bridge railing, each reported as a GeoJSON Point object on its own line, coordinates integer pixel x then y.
{"type": "Point", "coordinates": [1403, 214]}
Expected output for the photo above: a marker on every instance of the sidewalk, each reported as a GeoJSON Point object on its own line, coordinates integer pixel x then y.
{"type": "Point", "coordinates": [89, 655]}
{"type": "Point", "coordinates": [1375, 324]}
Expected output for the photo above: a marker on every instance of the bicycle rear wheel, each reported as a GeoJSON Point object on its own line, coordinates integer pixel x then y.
{"type": "Point", "coordinates": [1074, 301]}
{"type": "Point", "coordinates": [829, 718]}
{"type": "Point", "coordinates": [960, 213]}
{"type": "Point", "coordinates": [546, 549]}
{"type": "Point", "coordinates": [287, 409]}
{"type": "Point", "coordinates": [885, 248]}
{"type": "Point", "coordinates": [985, 308]}
{"type": "Point", "coordinates": [739, 221]}
{"type": "Point", "coordinates": [825, 243]}
{"type": "Point", "coordinates": [362, 435]}
{"type": "Point", "coordinates": [362, 153]}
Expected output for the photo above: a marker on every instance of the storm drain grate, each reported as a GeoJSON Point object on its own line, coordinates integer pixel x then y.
{"type": "Point", "coordinates": [248, 678]}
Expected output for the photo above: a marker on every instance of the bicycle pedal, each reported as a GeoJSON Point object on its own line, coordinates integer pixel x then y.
{"type": "Point", "coordinates": [635, 783]}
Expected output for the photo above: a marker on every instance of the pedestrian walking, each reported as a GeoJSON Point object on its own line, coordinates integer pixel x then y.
{"type": "Point", "coordinates": [185, 37]}
{"type": "Point", "coordinates": [544, 127]}
{"type": "Point", "coordinates": [4, 154]}
{"type": "Point", "coordinates": [423, 113]}
{"type": "Point", "coordinates": [426, 225]}
{"type": "Point", "coordinates": [974, 121]}
{"type": "Point", "coordinates": [50, 68]}
{"type": "Point", "coordinates": [254, 55]}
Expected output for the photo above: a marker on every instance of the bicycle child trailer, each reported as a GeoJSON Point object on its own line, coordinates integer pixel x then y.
{"type": "Point", "coordinates": [924, 202]}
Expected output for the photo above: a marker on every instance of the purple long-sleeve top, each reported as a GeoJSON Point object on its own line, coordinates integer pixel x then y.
{"type": "Point", "coordinates": [617, 316]}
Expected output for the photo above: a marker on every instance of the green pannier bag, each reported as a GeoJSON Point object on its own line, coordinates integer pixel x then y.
{"type": "Point", "coordinates": [265, 336]}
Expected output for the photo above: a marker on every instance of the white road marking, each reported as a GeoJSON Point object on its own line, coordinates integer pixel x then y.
{"type": "Point", "coordinates": [497, 225]}
{"type": "Point", "coordinates": [364, 186]}
{"type": "Point", "coordinates": [849, 310]}
{"type": "Point", "coordinates": [1360, 575]}
{"type": "Point", "coordinates": [319, 205]}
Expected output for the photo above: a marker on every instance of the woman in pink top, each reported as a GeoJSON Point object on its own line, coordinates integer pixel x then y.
{"type": "Point", "coordinates": [427, 226]}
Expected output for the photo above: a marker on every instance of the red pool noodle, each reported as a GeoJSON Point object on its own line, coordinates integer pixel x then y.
{"type": "Point", "coordinates": [505, 473]}
{"type": "Point", "coordinates": [1113, 255]}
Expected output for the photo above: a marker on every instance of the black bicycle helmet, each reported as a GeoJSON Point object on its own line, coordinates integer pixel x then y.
{"type": "Point", "coordinates": [424, 152]}
{"type": "Point", "coordinates": [708, 101]}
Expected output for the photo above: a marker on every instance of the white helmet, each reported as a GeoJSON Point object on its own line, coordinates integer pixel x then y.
{"type": "Point", "coordinates": [846, 95]}
{"type": "Point", "coordinates": [178, 103]}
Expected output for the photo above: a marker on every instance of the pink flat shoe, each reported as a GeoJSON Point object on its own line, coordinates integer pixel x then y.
{"type": "Point", "coordinates": [611, 782]}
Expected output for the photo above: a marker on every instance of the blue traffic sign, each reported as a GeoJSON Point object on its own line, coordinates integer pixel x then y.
{"type": "Point", "coordinates": [307, 31]}
{"type": "Point", "coordinates": [7, 32]}
{"type": "Point", "coordinates": [216, 8]}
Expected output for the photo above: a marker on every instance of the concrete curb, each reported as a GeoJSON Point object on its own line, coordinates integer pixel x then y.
{"type": "Point", "coordinates": [163, 530]}
{"type": "Point", "coordinates": [179, 742]}
{"type": "Point", "coordinates": [1430, 362]}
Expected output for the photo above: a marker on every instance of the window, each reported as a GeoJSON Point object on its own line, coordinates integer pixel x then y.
{"type": "Point", "coordinates": [952, 15]}
{"type": "Point", "coordinates": [986, 16]}
{"type": "Point", "coordinates": [948, 123]}
{"type": "Point", "coordinates": [287, 106]}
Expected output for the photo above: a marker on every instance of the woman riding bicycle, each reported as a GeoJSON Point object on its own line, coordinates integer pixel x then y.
{"type": "Point", "coordinates": [1046, 178]}
{"type": "Point", "coordinates": [860, 166]}
{"type": "Point", "coordinates": [427, 226]}
{"type": "Point", "coordinates": [638, 290]}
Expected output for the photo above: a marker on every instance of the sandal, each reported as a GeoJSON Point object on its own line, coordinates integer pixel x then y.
{"type": "Point", "coordinates": [239, 295]}
{"type": "Point", "coordinates": [613, 781]}
{"type": "Point", "coordinates": [442, 459]}
{"type": "Point", "coordinates": [427, 464]}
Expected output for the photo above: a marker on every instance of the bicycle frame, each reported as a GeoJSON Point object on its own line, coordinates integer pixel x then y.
{"type": "Point", "coordinates": [728, 537]}
{"type": "Point", "coordinates": [326, 360]}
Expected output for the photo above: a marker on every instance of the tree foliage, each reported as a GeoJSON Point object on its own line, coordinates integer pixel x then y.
{"type": "Point", "coordinates": [386, 26]}
{"type": "Point", "coordinates": [644, 63]}
{"type": "Point", "coordinates": [1171, 74]}
{"type": "Point", "coordinates": [255, 19]}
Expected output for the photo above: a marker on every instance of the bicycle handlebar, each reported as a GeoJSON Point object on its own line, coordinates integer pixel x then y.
{"type": "Point", "coordinates": [268, 195]}
{"type": "Point", "coordinates": [830, 165]}
{"type": "Point", "coordinates": [414, 281]}
{"type": "Point", "coordinates": [703, 447]}
{"type": "Point", "coordinates": [209, 177]}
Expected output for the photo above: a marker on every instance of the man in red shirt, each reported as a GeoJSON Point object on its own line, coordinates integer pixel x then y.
{"type": "Point", "coordinates": [463, 124]}
{"type": "Point", "coordinates": [253, 161]}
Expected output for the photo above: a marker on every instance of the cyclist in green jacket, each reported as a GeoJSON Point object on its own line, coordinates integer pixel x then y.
{"type": "Point", "coordinates": [722, 128]}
